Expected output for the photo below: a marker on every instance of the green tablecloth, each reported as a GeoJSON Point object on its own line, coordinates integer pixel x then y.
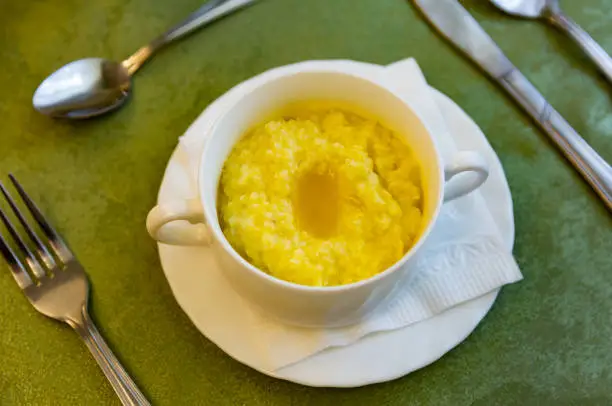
{"type": "Point", "coordinates": [546, 340]}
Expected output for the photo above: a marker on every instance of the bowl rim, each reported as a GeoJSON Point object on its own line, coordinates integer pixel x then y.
{"type": "Point", "coordinates": [215, 228]}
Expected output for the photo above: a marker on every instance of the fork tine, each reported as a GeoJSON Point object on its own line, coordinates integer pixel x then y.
{"type": "Point", "coordinates": [57, 243]}
{"type": "Point", "coordinates": [41, 250]}
{"type": "Point", "coordinates": [17, 269]}
{"type": "Point", "coordinates": [31, 261]}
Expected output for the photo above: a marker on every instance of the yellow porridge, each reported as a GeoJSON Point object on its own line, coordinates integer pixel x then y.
{"type": "Point", "coordinates": [321, 197]}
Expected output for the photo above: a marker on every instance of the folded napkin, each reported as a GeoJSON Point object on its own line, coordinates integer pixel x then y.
{"type": "Point", "coordinates": [464, 257]}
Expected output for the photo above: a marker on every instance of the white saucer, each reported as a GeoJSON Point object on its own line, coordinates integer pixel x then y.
{"type": "Point", "coordinates": [203, 293]}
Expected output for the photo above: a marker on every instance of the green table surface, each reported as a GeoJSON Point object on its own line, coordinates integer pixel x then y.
{"type": "Point", "coordinates": [547, 340]}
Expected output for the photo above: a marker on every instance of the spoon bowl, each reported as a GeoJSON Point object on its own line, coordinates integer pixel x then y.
{"type": "Point", "coordinates": [94, 86]}
{"type": "Point", "coordinates": [525, 8]}
{"type": "Point", "coordinates": [83, 89]}
{"type": "Point", "coordinates": [550, 11]}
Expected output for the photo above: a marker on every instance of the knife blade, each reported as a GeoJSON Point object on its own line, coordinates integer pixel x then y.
{"type": "Point", "coordinates": [458, 26]}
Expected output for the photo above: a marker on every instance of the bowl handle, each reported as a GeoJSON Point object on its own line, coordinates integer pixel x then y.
{"type": "Point", "coordinates": [476, 171]}
{"type": "Point", "coordinates": [166, 223]}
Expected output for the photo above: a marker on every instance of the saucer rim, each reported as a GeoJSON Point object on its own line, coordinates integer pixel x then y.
{"type": "Point", "coordinates": [285, 373]}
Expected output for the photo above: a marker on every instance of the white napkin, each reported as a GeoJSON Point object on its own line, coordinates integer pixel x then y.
{"type": "Point", "coordinates": [464, 257]}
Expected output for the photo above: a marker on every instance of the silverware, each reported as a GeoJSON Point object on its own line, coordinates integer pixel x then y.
{"type": "Point", "coordinates": [56, 285]}
{"type": "Point", "coordinates": [550, 11]}
{"type": "Point", "coordinates": [94, 86]}
{"type": "Point", "coordinates": [461, 29]}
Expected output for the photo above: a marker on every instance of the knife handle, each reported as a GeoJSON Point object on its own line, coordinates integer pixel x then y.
{"type": "Point", "coordinates": [595, 170]}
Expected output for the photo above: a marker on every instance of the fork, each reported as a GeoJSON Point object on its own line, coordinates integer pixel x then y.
{"type": "Point", "coordinates": [56, 285]}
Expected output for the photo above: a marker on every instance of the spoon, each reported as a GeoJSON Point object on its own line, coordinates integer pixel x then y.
{"type": "Point", "coordinates": [550, 11]}
{"type": "Point", "coordinates": [94, 86]}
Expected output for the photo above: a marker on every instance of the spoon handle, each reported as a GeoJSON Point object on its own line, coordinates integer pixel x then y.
{"type": "Point", "coordinates": [209, 12]}
{"type": "Point", "coordinates": [586, 42]}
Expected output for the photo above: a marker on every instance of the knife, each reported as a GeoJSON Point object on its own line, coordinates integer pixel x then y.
{"type": "Point", "coordinates": [462, 30]}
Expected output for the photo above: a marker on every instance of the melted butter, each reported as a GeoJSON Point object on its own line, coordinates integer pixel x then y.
{"type": "Point", "coordinates": [317, 203]}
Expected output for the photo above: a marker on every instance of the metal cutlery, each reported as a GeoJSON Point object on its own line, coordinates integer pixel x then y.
{"type": "Point", "coordinates": [462, 30]}
{"type": "Point", "coordinates": [56, 285]}
{"type": "Point", "coordinates": [94, 86]}
{"type": "Point", "coordinates": [550, 11]}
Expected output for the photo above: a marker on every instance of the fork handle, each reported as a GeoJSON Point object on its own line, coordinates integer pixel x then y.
{"type": "Point", "coordinates": [122, 383]}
